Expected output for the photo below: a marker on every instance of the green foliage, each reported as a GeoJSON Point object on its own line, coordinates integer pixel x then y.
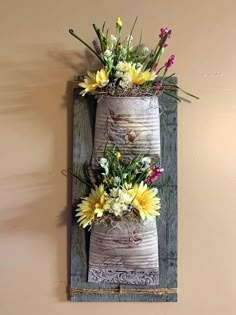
{"type": "Point", "coordinates": [126, 66]}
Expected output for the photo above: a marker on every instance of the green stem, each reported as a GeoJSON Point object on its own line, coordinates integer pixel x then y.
{"type": "Point", "coordinates": [171, 95]}
{"type": "Point", "coordinates": [177, 87]}
{"type": "Point", "coordinates": [160, 70]}
{"type": "Point", "coordinates": [130, 37]}
{"type": "Point", "coordinates": [157, 53]}
{"type": "Point", "coordinates": [79, 178]}
{"type": "Point", "coordinates": [83, 42]}
{"type": "Point", "coordinates": [138, 48]}
{"type": "Point", "coordinates": [169, 76]}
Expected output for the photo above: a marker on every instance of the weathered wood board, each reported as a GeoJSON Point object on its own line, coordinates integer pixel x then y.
{"type": "Point", "coordinates": [79, 288]}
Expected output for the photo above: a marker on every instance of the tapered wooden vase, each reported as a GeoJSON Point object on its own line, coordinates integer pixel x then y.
{"type": "Point", "coordinates": [126, 253]}
{"type": "Point", "coordinates": [131, 123]}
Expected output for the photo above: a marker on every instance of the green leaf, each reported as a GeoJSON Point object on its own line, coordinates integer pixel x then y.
{"type": "Point", "coordinates": [100, 37]}
{"type": "Point", "coordinates": [103, 26]}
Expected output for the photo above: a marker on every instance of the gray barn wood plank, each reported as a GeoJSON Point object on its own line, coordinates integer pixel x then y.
{"type": "Point", "coordinates": [84, 113]}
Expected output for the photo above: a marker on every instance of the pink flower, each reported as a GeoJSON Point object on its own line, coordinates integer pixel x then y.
{"type": "Point", "coordinates": [155, 175]}
{"type": "Point", "coordinates": [170, 62]}
{"type": "Point", "coordinates": [163, 32]}
{"type": "Point", "coordinates": [158, 85]}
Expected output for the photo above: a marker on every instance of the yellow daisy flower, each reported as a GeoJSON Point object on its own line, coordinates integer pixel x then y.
{"type": "Point", "coordinates": [138, 77]}
{"type": "Point", "coordinates": [94, 81]}
{"type": "Point", "coordinates": [92, 206]}
{"type": "Point", "coordinates": [102, 78]}
{"type": "Point", "coordinates": [89, 83]}
{"type": "Point", "coordinates": [145, 201]}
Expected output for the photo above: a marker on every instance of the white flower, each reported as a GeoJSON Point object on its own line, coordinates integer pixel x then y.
{"type": "Point", "coordinates": [122, 66]}
{"type": "Point", "coordinates": [145, 50]}
{"type": "Point", "coordinates": [117, 209]}
{"type": "Point", "coordinates": [114, 193]}
{"type": "Point", "coordinates": [107, 53]}
{"type": "Point", "coordinates": [117, 180]}
{"type": "Point", "coordinates": [113, 38]}
{"type": "Point", "coordinates": [104, 164]}
{"type": "Point", "coordinates": [113, 41]}
{"type": "Point", "coordinates": [125, 197]}
{"type": "Point", "coordinates": [118, 74]}
{"type": "Point", "coordinates": [125, 175]}
{"type": "Point", "coordinates": [126, 81]}
{"type": "Point", "coordinates": [120, 201]}
{"type": "Point", "coordinates": [146, 161]}
{"type": "Point", "coordinates": [123, 53]}
{"type": "Point", "coordinates": [129, 39]}
{"type": "Point", "coordinates": [109, 59]}
{"type": "Point", "coordinates": [127, 186]}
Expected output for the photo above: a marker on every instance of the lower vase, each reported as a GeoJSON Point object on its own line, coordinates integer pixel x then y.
{"type": "Point", "coordinates": [125, 253]}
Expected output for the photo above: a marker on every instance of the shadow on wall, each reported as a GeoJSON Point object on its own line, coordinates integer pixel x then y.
{"type": "Point", "coordinates": [36, 144]}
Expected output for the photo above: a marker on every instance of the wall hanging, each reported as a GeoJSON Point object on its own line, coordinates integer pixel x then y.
{"type": "Point", "coordinates": [124, 191]}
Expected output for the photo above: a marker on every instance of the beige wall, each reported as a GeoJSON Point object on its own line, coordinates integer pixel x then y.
{"type": "Point", "coordinates": [37, 58]}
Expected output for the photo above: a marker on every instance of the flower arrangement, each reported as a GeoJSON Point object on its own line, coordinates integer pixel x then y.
{"type": "Point", "coordinates": [121, 189]}
{"type": "Point", "coordinates": [128, 70]}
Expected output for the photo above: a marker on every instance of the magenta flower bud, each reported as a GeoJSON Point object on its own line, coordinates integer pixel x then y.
{"type": "Point", "coordinates": [163, 32]}
{"type": "Point", "coordinates": [158, 85]}
{"type": "Point", "coordinates": [155, 175]}
{"type": "Point", "coordinates": [170, 62]}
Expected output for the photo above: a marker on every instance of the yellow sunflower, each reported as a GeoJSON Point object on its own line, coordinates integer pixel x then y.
{"type": "Point", "coordinates": [145, 201]}
{"type": "Point", "coordinates": [94, 81]}
{"type": "Point", "coordinates": [92, 206]}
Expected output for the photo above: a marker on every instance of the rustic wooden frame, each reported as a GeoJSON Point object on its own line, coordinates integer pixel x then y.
{"type": "Point", "coordinates": [84, 110]}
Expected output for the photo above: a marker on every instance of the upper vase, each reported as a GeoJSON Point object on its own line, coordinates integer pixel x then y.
{"type": "Point", "coordinates": [130, 123]}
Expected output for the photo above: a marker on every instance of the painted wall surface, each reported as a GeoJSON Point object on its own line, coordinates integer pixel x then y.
{"type": "Point", "coordinates": [37, 59]}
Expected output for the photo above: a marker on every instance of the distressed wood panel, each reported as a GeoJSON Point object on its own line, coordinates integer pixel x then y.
{"type": "Point", "coordinates": [84, 116]}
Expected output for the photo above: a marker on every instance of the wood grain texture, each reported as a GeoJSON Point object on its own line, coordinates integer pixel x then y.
{"type": "Point", "coordinates": [124, 253]}
{"type": "Point", "coordinates": [84, 114]}
{"type": "Point", "coordinates": [133, 124]}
